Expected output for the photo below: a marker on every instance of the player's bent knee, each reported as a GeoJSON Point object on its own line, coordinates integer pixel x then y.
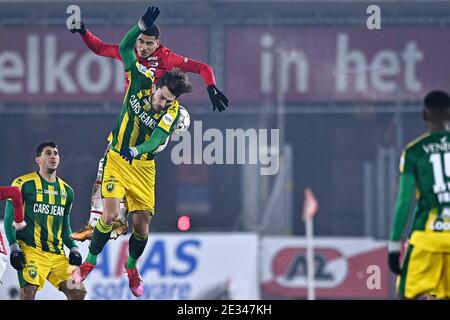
{"type": "Point", "coordinates": [141, 229]}
{"type": "Point", "coordinates": [140, 234]}
{"type": "Point", "coordinates": [111, 208]}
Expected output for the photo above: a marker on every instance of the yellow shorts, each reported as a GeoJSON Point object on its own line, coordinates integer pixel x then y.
{"type": "Point", "coordinates": [41, 266]}
{"type": "Point", "coordinates": [424, 272]}
{"type": "Point", "coordinates": [135, 183]}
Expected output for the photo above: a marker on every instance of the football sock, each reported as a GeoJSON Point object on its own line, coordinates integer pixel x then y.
{"type": "Point", "coordinates": [100, 237]}
{"type": "Point", "coordinates": [136, 248]}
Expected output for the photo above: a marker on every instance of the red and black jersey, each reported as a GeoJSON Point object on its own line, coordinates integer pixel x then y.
{"type": "Point", "coordinates": [162, 60]}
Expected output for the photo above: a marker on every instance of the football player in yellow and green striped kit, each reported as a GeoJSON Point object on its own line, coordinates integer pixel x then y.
{"type": "Point", "coordinates": [425, 171]}
{"type": "Point", "coordinates": [37, 251]}
{"type": "Point", "coordinates": [149, 115]}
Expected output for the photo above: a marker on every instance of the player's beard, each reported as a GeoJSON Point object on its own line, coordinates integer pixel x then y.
{"type": "Point", "coordinates": [51, 170]}
{"type": "Point", "coordinates": [151, 102]}
{"type": "Point", "coordinates": [143, 55]}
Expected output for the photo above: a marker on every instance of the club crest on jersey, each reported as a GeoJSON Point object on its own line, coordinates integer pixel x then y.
{"type": "Point", "coordinates": [110, 187]}
{"type": "Point", "coordinates": [110, 184]}
{"type": "Point", "coordinates": [32, 269]}
{"type": "Point", "coordinates": [63, 195]}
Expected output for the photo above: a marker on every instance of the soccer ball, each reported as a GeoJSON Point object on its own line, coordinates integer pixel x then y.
{"type": "Point", "coordinates": [184, 121]}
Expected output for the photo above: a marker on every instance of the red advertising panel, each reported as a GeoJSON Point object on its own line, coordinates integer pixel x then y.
{"type": "Point", "coordinates": [324, 64]}
{"type": "Point", "coordinates": [54, 65]}
{"type": "Point", "coordinates": [344, 268]}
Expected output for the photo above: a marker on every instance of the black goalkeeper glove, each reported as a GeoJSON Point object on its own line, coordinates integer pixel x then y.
{"type": "Point", "coordinates": [394, 257]}
{"type": "Point", "coordinates": [75, 257]}
{"type": "Point", "coordinates": [148, 18]}
{"type": "Point", "coordinates": [218, 99]}
{"type": "Point", "coordinates": [81, 30]}
{"type": "Point", "coordinates": [17, 258]}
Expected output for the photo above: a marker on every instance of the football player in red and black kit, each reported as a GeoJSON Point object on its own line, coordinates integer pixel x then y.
{"type": "Point", "coordinates": [158, 59]}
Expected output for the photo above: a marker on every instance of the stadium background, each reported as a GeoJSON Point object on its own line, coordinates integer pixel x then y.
{"type": "Point", "coordinates": [342, 127]}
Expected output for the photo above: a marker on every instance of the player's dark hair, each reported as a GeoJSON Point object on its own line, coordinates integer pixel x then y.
{"type": "Point", "coordinates": [44, 144]}
{"type": "Point", "coordinates": [153, 31]}
{"type": "Point", "coordinates": [437, 100]}
{"type": "Point", "coordinates": [176, 81]}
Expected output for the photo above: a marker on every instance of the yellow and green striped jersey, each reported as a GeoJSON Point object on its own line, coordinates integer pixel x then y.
{"type": "Point", "coordinates": [47, 207]}
{"type": "Point", "coordinates": [137, 121]}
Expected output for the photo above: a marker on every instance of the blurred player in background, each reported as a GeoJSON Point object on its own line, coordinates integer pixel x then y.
{"type": "Point", "coordinates": [37, 251]}
{"type": "Point", "coordinates": [157, 59]}
{"type": "Point", "coordinates": [148, 116]}
{"type": "Point", "coordinates": [15, 195]}
{"type": "Point", "coordinates": [425, 171]}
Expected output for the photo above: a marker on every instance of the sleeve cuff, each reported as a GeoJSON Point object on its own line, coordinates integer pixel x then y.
{"type": "Point", "coordinates": [134, 151]}
{"type": "Point", "coordinates": [141, 25]}
{"type": "Point", "coordinates": [394, 246]}
{"type": "Point", "coordinates": [14, 247]}
{"type": "Point", "coordinates": [19, 225]}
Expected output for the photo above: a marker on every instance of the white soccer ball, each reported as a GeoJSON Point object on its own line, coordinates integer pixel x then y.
{"type": "Point", "coordinates": [184, 121]}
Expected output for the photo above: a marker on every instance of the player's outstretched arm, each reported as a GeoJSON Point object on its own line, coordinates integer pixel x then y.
{"type": "Point", "coordinates": [218, 100]}
{"type": "Point", "coordinates": [127, 44]}
{"type": "Point", "coordinates": [157, 138]}
{"type": "Point", "coordinates": [126, 47]}
{"type": "Point", "coordinates": [95, 44]}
